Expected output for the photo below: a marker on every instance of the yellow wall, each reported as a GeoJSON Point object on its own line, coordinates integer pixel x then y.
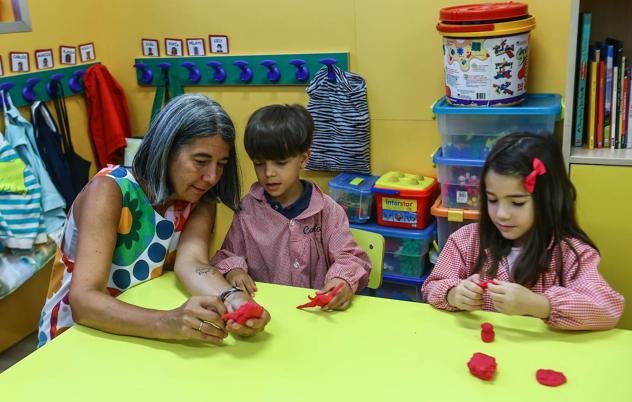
{"type": "Point", "coordinates": [393, 45]}
{"type": "Point", "coordinates": [610, 229]}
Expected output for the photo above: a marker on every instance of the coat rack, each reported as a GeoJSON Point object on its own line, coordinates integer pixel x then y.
{"type": "Point", "coordinates": [282, 69]}
{"type": "Point", "coordinates": [25, 89]}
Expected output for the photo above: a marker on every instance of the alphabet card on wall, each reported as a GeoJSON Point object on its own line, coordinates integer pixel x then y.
{"type": "Point", "coordinates": [218, 43]}
{"type": "Point", "coordinates": [86, 52]}
{"type": "Point", "coordinates": [19, 62]}
{"type": "Point", "coordinates": [44, 59]}
{"type": "Point", "coordinates": [67, 55]}
{"type": "Point", "coordinates": [151, 48]}
{"type": "Point", "coordinates": [173, 47]}
{"type": "Point", "coordinates": [195, 47]}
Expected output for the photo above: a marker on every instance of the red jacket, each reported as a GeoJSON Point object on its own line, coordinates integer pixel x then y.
{"type": "Point", "coordinates": [108, 115]}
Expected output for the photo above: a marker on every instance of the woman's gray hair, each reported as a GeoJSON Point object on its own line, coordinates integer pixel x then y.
{"type": "Point", "coordinates": [183, 120]}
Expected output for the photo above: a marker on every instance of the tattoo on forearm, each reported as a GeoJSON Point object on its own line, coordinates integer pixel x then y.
{"type": "Point", "coordinates": [202, 270]}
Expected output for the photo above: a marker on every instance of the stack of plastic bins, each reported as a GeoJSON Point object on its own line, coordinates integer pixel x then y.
{"type": "Point", "coordinates": [451, 220]}
{"type": "Point", "coordinates": [353, 192]}
{"type": "Point", "coordinates": [405, 259]}
{"type": "Point", "coordinates": [404, 199]}
{"type": "Point", "coordinates": [471, 133]}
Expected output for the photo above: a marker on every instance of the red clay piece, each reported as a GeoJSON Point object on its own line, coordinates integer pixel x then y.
{"type": "Point", "coordinates": [550, 378]}
{"type": "Point", "coordinates": [482, 366]}
{"type": "Point", "coordinates": [247, 310]}
{"type": "Point", "coordinates": [484, 284]}
{"type": "Point", "coordinates": [487, 332]}
{"type": "Point", "coordinates": [322, 299]}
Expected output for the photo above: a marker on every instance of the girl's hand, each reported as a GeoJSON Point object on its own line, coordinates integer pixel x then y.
{"type": "Point", "coordinates": [467, 295]}
{"type": "Point", "coordinates": [239, 278]}
{"type": "Point", "coordinates": [514, 299]}
{"type": "Point", "coordinates": [342, 299]}
{"type": "Point", "coordinates": [252, 325]}
{"type": "Point", "coordinates": [199, 318]}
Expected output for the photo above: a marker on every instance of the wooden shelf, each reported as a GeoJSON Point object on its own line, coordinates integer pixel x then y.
{"type": "Point", "coordinates": [619, 157]}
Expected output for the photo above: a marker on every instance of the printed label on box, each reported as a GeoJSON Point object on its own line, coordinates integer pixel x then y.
{"type": "Point", "coordinates": [399, 216]}
{"type": "Point", "coordinates": [461, 197]}
{"type": "Point", "coordinates": [398, 204]}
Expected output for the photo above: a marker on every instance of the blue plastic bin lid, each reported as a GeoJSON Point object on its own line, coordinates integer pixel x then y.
{"type": "Point", "coordinates": [534, 104]}
{"type": "Point", "coordinates": [439, 159]}
{"type": "Point", "coordinates": [402, 233]}
{"type": "Point", "coordinates": [406, 280]}
{"type": "Point", "coordinates": [353, 183]}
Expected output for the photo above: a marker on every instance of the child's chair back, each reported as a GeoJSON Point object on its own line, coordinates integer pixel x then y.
{"type": "Point", "coordinates": [373, 245]}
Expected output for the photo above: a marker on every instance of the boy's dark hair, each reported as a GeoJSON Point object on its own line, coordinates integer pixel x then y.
{"type": "Point", "coordinates": [554, 209]}
{"type": "Point", "coordinates": [277, 132]}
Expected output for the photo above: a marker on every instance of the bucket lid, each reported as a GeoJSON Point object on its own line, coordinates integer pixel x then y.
{"type": "Point", "coordinates": [405, 184]}
{"type": "Point", "coordinates": [533, 105]}
{"type": "Point", "coordinates": [484, 12]}
{"type": "Point", "coordinates": [402, 233]}
{"type": "Point", "coordinates": [453, 214]}
{"type": "Point", "coordinates": [355, 183]}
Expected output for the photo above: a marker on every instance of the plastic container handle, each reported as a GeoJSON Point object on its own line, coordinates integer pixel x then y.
{"type": "Point", "coordinates": [441, 27]}
{"type": "Point", "coordinates": [74, 82]}
{"type": "Point", "coordinates": [432, 155]}
{"type": "Point", "coordinates": [434, 116]}
{"type": "Point", "coordinates": [52, 85]}
{"type": "Point", "coordinates": [302, 72]}
{"type": "Point", "coordinates": [194, 72]}
{"type": "Point", "coordinates": [28, 92]}
{"type": "Point", "coordinates": [274, 75]}
{"type": "Point", "coordinates": [246, 72]}
{"type": "Point", "coordinates": [219, 74]}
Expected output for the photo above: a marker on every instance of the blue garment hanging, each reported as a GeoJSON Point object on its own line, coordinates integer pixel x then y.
{"type": "Point", "coordinates": [49, 143]}
{"type": "Point", "coordinates": [19, 135]}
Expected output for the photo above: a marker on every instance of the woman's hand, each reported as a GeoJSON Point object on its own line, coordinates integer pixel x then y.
{"type": "Point", "coordinates": [199, 318]}
{"type": "Point", "coordinates": [514, 299]}
{"type": "Point", "coordinates": [239, 278]}
{"type": "Point", "coordinates": [342, 299]}
{"type": "Point", "coordinates": [252, 325]}
{"type": "Point", "coordinates": [467, 295]}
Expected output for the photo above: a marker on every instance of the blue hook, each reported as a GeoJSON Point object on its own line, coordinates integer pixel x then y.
{"type": "Point", "coordinates": [219, 74]}
{"type": "Point", "coordinates": [246, 72]}
{"type": "Point", "coordinates": [28, 92]}
{"type": "Point", "coordinates": [164, 66]}
{"type": "Point", "coordinates": [52, 87]}
{"type": "Point", "coordinates": [5, 88]}
{"type": "Point", "coordinates": [75, 81]}
{"type": "Point", "coordinates": [146, 74]}
{"type": "Point", "coordinates": [194, 72]}
{"type": "Point", "coordinates": [329, 62]}
{"type": "Point", "coordinates": [274, 75]}
{"type": "Point", "coordinates": [302, 72]}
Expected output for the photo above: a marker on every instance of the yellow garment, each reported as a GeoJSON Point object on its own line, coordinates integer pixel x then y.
{"type": "Point", "coordinates": [12, 176]}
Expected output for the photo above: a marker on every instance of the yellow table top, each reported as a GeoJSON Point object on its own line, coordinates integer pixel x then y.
{"type": "Point", "coordinates": [378, 350]}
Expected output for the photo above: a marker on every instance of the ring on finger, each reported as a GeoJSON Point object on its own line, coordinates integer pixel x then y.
{"type": "Point", "coordinates": [212, 324]}
{"type": "Point", "coordinates": [200, 326]}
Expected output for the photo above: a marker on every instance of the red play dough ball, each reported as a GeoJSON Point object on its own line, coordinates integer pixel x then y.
{"type": "Point", "coordinates": [482, 366]}
{"type": "Point", "coordinates": [550, 378]}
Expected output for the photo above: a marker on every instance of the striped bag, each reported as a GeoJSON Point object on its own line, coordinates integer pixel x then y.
{"type": "Point", "coordinates": [341, 123]}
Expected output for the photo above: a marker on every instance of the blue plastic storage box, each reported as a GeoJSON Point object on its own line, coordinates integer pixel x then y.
{"type": "Point", "coordinates": [460, 180]}
{"type": "Point", "coordinates": [472, 132]}
{"type": "Point", "coordinates": [404, 249]}
{"type": "Point", "coordinates": [353, 193]}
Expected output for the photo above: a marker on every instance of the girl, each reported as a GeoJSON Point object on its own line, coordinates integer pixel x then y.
{"type": "Point", "coordinates": [528, 242]}
{"type": "Point", "coordinates": [289, 232]}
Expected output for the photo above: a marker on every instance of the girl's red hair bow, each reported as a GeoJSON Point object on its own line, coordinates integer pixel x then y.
{"type": "Point", "coordinates": [538, 169]}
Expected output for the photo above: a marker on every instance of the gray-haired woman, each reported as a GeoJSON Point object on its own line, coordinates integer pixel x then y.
{"type": "Point", "coordinates": [124, 227]}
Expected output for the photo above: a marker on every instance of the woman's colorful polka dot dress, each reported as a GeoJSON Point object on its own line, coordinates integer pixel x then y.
{"type": "Point", "coordinates": [145, 245]}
